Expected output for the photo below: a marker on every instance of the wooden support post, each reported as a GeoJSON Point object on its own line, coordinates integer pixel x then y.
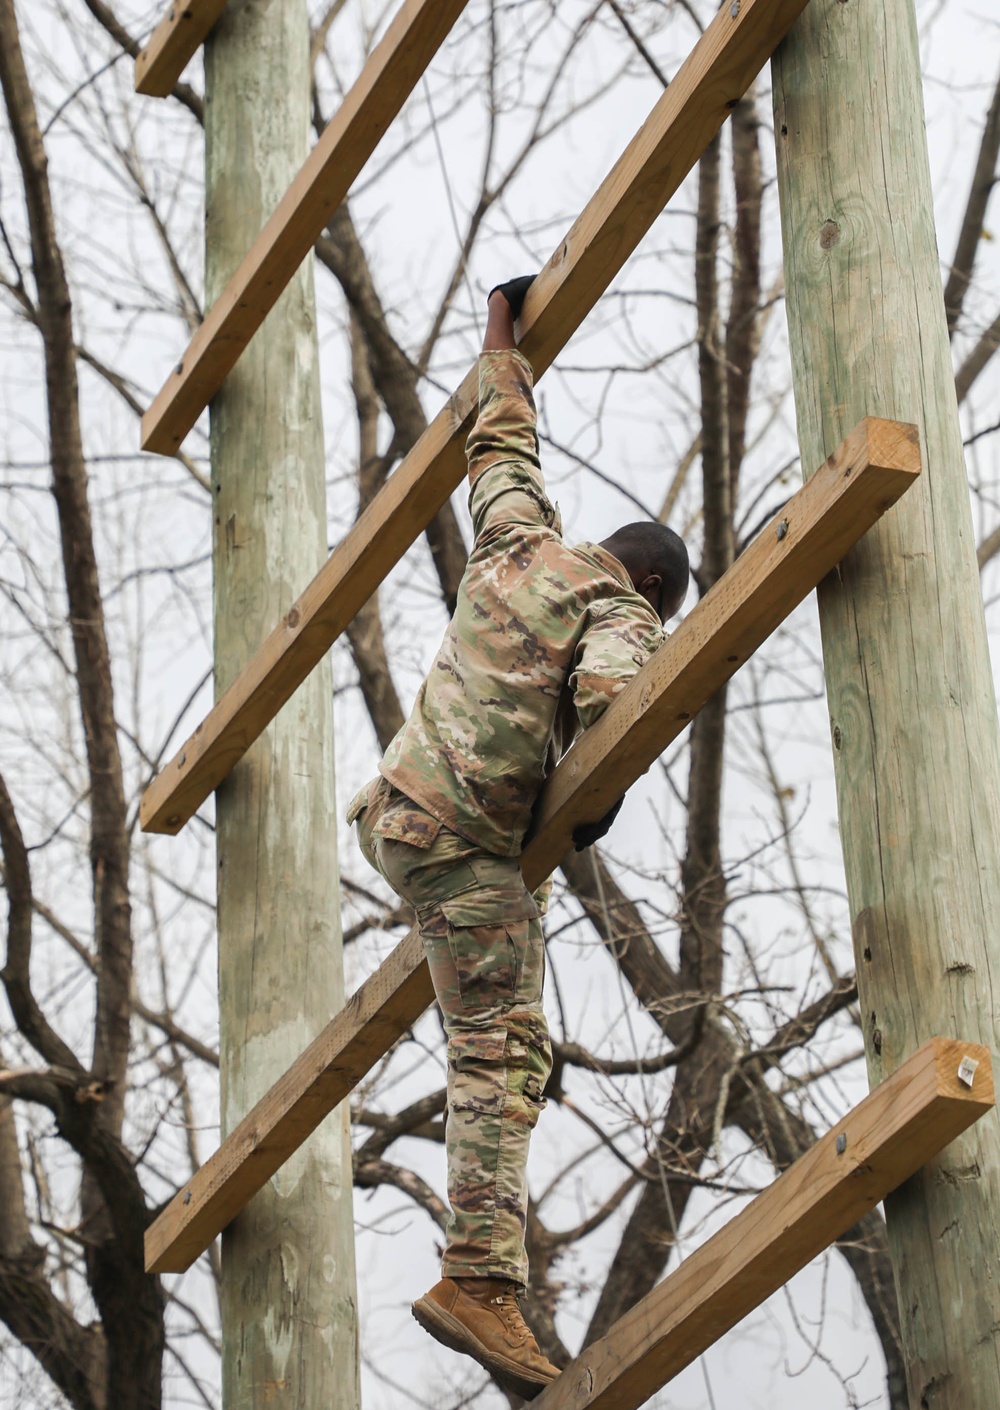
{"type": "Point", "coordinates": [352, 134]}
{"type": "Point", "coordinates": [911, 695]}
{"type": "Point", "coordinates": [876, 464]}
{"type": "Point", "coordinates": [905, 1121]}
{"type": "Point", "coordinates": [173, 43]}
{"type": "Point", "coordinates": [288, 1300]}
{"type": "Point", "coordinates": [690, 112]}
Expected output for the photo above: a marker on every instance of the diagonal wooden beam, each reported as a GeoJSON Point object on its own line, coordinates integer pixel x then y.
{"type": "Point", "coordinates": [868, 472]}
{"type": "Point", "coordinates": [173, 43]}
{"type": "Point", "coordinates": [874, 466]}
{"type": "Point", "coordinates": [690, 112]}
{"type": "Point", "coordinates": [371, 548]}
{"type": "Point", "coordinates": [392, 71]}
{"type": "Point", "coordinates": [904, 1123]}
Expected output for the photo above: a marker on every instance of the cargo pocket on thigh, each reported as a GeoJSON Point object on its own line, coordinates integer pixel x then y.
{"type": "Point", "coordinates": [480, 1072]}
{"type": "Point", "coordinates": [529, 1063]}
{"type": "Point", "coordinates": [487, 951]}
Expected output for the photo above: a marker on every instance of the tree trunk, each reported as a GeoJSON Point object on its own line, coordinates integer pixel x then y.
{"type": "Point", "coordinates": [288, 1294]}
{"type": "Point", "coordinates": [908, 675]}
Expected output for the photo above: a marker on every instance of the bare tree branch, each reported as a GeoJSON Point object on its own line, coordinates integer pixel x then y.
{"type": "Point", "coordinates": [72, 1356]}
{"type": "Point", "coordinates": [364, 631]}
{"type": "Point", "coordinates": [396, 380]}
{"type": "Point", "coordinates": [112, 1202]}
{"type": "Point", "coordinates": [743, 326]}
{"type": "Point", "coordinates": [977, 360]}
{"type": "Point", "coordinates": [16, 973]}
{"type": "Point", "coordinates": [970, 234]}
{"type": "Point", "coordinates": [405, 1123]}
{"type": "Point", "coordinates": [370, 1174]}
{"type": "Point", "coordinates": [799, 1030]}
{"type": "Point", "coordinates": [109, 839]}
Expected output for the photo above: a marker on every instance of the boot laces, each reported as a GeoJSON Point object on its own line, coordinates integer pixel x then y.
{"type": "Point", "coordinates": [509, 1313]}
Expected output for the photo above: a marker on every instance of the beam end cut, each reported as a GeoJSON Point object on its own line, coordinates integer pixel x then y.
{"type": "Point", "coordinates": [173, 44]}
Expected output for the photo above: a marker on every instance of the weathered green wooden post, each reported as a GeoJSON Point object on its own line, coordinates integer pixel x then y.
{"type": "Point", "coordinates": [911, 695]}
{"type": "Point", "coordinates": [288, 1295]}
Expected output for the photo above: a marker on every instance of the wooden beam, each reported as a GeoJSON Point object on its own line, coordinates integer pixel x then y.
{"type": "Point", "coordinates": [373, 545]}
{"type": "Point", "coordinates": [690, 112]}
{"type": "Point", "coordinates": [906, 1121]}
{"type": "Point", "coordinates": [333, 1063]}
{"type": "Point", "coordinates": [392, 71]}
{"type": "Point", "coordinates": [877, 462]}
{"type": "Point", "coordinates": [173, 43]}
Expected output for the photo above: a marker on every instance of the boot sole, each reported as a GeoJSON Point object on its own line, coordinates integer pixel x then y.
{"type": "Point", "coordinates": [448, 1330]}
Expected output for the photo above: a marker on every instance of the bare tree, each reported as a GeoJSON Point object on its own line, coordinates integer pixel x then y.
{"type": "Point", "coordinates": [717, 1042]}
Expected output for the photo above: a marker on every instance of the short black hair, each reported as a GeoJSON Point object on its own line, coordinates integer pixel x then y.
{"type": "Point", "coordinates": [649, 547]}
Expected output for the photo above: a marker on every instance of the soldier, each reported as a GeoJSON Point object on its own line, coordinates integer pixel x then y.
{"type": "Point", "coordinates": [543, 638]}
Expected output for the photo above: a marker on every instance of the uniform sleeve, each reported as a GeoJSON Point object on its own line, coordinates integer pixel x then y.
{"type": "Point", "coordinates": [611, 651]}
{"type": "Point", "coordinates": [505, 476]}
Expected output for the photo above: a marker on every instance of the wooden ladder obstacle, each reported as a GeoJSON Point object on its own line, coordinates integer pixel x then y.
{"type": "Point", "coordinates": [927, 1101]}
{"type": "Point", "coordinates": [875, 465]}
{"type": "Point", "coordinates": [717, 72]}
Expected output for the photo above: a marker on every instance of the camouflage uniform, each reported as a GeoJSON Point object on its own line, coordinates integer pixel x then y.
{"type": "Point", "coordinates": [543, 637]}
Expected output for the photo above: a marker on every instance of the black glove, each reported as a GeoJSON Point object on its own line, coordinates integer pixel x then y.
{"type": "Point", "coordinates": [514, 291]}
{"type": "Point", "coordinates": [588, 833]}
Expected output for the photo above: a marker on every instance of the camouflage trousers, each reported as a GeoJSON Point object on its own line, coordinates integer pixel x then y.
{"type": "Point", "coordinates": [482, 936]}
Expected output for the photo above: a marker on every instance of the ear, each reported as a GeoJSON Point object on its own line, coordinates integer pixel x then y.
{"type": "Point", "coordinates": [651, 583]}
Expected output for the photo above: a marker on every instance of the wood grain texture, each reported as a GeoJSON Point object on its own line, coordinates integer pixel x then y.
{"type": "Point", "coordinates": [877, 462]}
{"type": "Point", "coordinates": [719, 69]}
{"type": "Point", "coordinates": [173, 43]}
{"type": "Point", "coordinates": [911, 695]}
{"type": "Point", "coordinates": [905, 1121]}
{"type": "Point", "coordinates": [280, 950]}
{"type": "Point", "coordinates": [364, 1030]}
{"type": "Point", "coordinates": [393, 69]}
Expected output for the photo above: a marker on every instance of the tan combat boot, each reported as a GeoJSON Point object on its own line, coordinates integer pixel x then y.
{"type": "Point", "coordinates": [480, 1317]}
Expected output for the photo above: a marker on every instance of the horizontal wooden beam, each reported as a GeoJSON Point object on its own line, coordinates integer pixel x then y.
{"type": "Point", "coordinates": [393, 69]}
{"type": "Point", "coordinates": [877, 462]}
{"type": "Point", "coordinates": [690, 112]}
{"type": "Point", "coordinates": [905, 1122]}
{"type": "Point", "coordinates": [173, 43]}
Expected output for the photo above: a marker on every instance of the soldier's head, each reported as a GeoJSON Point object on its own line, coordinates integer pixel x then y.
{"type": "Point", "coordinates": [656, 560]}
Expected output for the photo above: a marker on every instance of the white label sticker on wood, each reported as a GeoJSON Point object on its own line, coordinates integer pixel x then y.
{"type": "Point", "coordinates": [967, 1070]}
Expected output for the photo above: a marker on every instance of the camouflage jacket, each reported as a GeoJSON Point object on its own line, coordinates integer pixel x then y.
{"type": "Point", "coordinates": [543, 638]}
